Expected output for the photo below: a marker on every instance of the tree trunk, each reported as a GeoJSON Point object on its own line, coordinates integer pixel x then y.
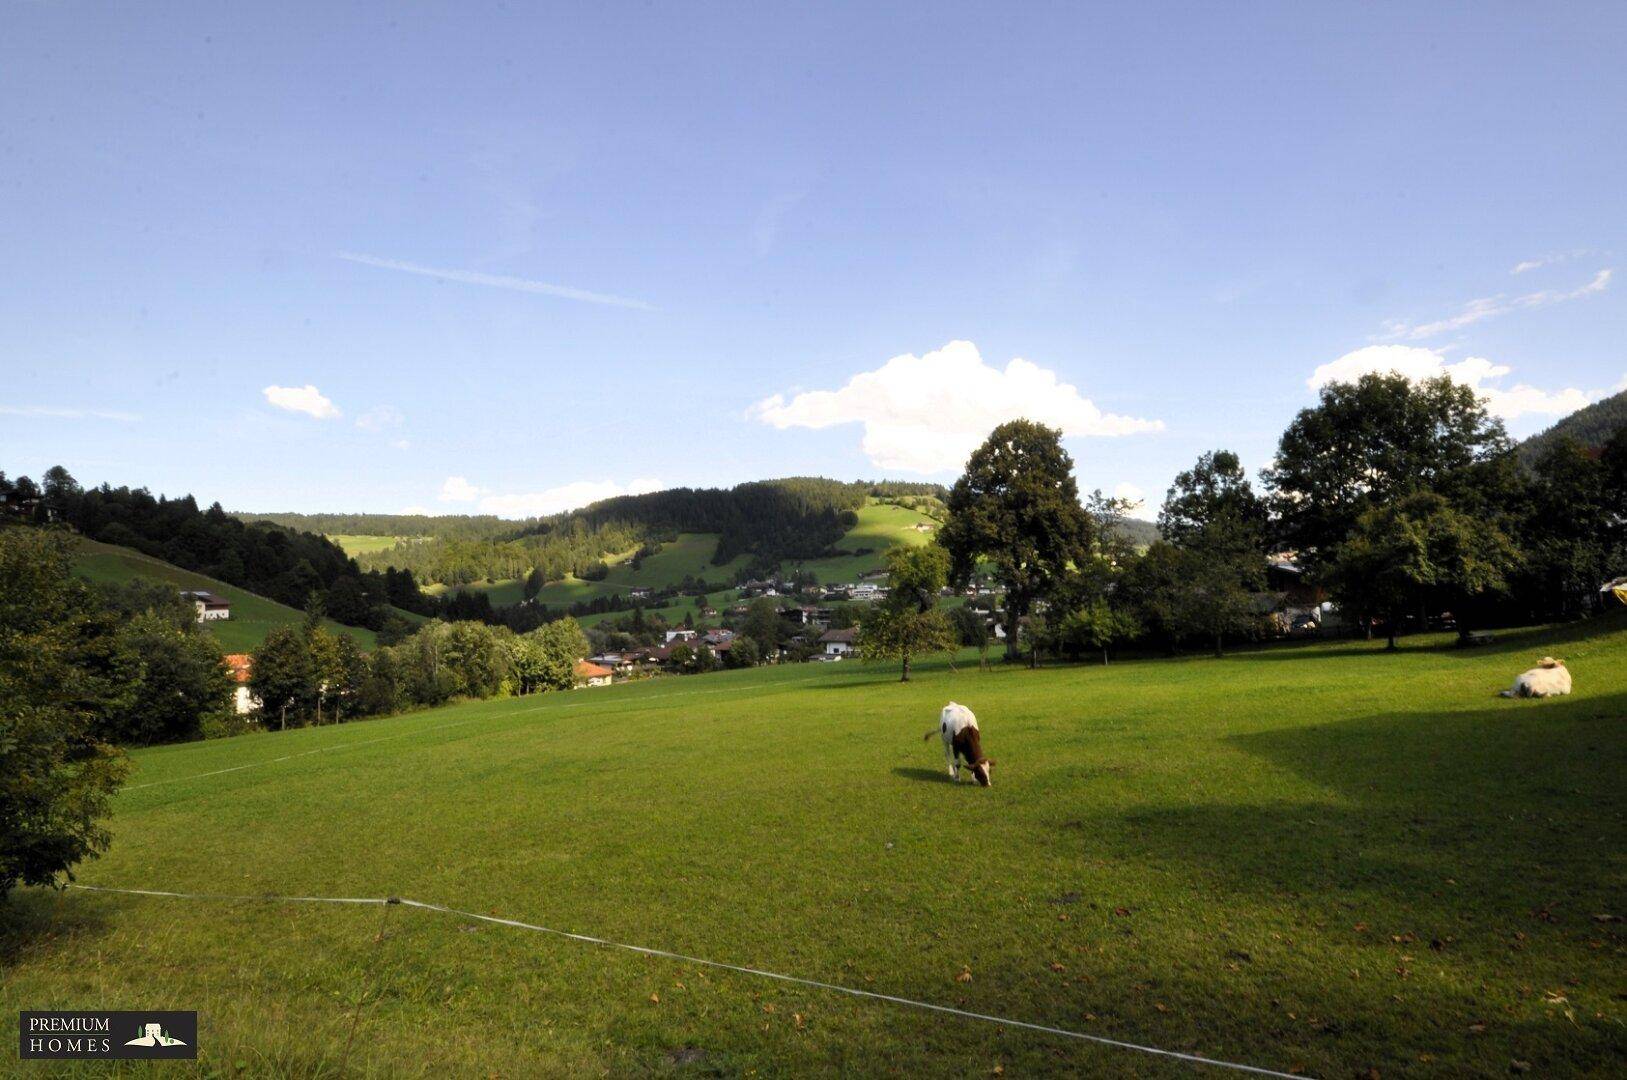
{"type": "Point", "coordinates": [1219, 651]}
{"type": "Point", "coordinates": [905, 676]}
{"type": "Point", "coordinates": [1104, 656]}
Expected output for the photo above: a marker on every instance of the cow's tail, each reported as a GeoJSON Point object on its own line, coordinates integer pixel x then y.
{"type": "Point", "coordinates": [929, 734]}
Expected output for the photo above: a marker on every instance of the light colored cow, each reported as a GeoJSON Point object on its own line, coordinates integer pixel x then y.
{"type": "Point", "coordinates": [961, 739]}
{"type": "Point", "coordinates": [1548, 679]}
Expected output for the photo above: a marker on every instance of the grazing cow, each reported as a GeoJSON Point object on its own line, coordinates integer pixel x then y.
{"type": "Point", "coordinates": [1547, 679]}
{"type": "Point", "coordinates": [958, 727]}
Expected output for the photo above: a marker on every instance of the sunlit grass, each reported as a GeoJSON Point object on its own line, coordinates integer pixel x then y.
{"type": "Point", "coordinates": [1318, 856]}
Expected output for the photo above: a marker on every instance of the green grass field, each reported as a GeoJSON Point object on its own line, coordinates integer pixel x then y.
{"type": "Point", "coordinates": [1314, 857]}
{"type": "Point", "coordinates": [881, 525]}
{"type": "Point", "coordinates": [253, 616]}
{"type": "Point", "coordinates": [364, 545]}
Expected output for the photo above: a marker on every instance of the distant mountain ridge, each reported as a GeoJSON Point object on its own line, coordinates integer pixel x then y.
{"type": "Point", "coordinates": [1592, 426]}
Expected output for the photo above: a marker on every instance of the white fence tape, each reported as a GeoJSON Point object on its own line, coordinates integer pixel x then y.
{"type": "Point", "coordinates": [1196, 1059]}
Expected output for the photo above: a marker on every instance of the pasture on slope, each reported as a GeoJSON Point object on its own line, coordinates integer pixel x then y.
{"type": "Point", "coordinates": [253, 616]}
{"type": "Point", "coordinates": [1321, 857]}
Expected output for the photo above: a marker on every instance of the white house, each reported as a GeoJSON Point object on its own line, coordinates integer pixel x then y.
{"type": "Point", "coordinates": [681, 635]}
{"type": "Point", "coordinates": [241, 665]}
{"type": "Point", "coordinates": [838, 642]}
{"type": "Point", "coordinates": [209, 606]}
{"type": "Point", "coordinates": [589, 674]}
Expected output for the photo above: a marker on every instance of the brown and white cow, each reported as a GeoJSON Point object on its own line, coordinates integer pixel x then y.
{"type": "Point", "coordinates": [961, 740]}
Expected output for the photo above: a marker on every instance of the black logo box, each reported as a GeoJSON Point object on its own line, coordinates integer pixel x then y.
{"type": "Point", "coordinates": [102, 1035]}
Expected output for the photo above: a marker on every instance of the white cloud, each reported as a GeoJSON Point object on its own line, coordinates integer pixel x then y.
{"type": "Point", "coordinates": [56, 413]}
{"type": "Point", "coordinates": [401, 444]}
{"type": "Point", "coordinates": [555, 500]}
{"type": "Point", "coordinates": [496, 281]}
{"type": "Point", "coordinates": [1138, 502]}
{"type": "Point", "coordinates": [458, 489]}
{"type": "Point", "coordinates": [926, 414]}
{"type": "Point", "coordinates": [1488, 307]}
{"type": "Point", "coordinates": [380, 417]}
{"type": "Point", "coordinates": [305, 399]}
{"type": "Point", "coordinates": [424, 510]}
{"type": "Point", "coordinates": [1418, 363]}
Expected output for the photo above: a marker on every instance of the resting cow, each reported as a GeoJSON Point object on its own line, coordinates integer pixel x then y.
{"type": "Point", "coordinates": [1549, 678]}
{"type": "Point", "coordinates": [961, 739]}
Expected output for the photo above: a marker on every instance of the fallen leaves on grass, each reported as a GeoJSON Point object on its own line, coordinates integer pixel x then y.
{"type": "Point", "coordinates": [655, 999]}
{"type": "Point", "coordinates": [965, 975]}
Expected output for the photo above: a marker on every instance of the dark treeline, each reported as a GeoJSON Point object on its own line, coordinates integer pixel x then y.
{"type": "Point", "coordinates": [280, 563]}
{"type": "Point", "coordinates": [770, 520]}
{"type": "Point", "coordinates": [442, 526]}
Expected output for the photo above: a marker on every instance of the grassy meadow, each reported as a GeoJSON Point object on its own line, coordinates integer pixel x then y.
{"type": "Point", "coordinates": [1314, 857]}
{"type": "Point", "coordinates": [354, 545]}
{"type": "Point", "coordinates": [253, 616]}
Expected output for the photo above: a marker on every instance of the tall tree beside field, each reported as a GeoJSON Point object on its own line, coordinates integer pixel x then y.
{"type": "Point", "coordinates": [282, 676]}
{"type": "Point", "coordinates": [908, 623]}
{"type": "Point", "coordinates": [562, 644]}
{"type": "Point", "coordinates": [59, 677]}
{"type": "Point", "coordinates": [1017, 506]}
{"type": "Point", "coordinates": [1213, 516]}
{"type": "Point", "coordinates": [1368, 443]}
{"type": "Point", "coordinates": [1400, 556]}
{"type": "Point", "coordinates": [180, 688]}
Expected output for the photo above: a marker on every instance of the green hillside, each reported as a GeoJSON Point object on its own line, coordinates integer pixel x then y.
{"type": "Point", "coordinates": [1323, 858]}
{"type": "Point", "coordinates": [355, 545]}
{"type": "Point", "coordinates": [880, 526]}
{"type": "Point", "coordinates": [1592, 426]}
{"type": "Point", "coordinates": [253, 616]}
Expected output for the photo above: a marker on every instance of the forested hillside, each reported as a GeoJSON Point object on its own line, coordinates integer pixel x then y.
{"type": "Point", "coordinates": [1592, 427]}
{"type": "Point", "coordinates": [767, 521]}
{"type": "Point", "coordinates": [282, 564]}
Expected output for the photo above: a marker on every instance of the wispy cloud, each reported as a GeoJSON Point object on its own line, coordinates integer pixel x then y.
{"type": "Point", "coordinates": [380, 417]}
{"type": "Point", "coordinates": [496, 281]}
{"type": "Point", "coordinates": [305, 399]}
{"type": "Point", "coordinates": [55, 413]}
{"type": "Point", "coordinates": [1540, 261]}
{"type": "Point", "coordinates": [1488, 307]}
{"type": "Point", "coordinates": [766, 228]}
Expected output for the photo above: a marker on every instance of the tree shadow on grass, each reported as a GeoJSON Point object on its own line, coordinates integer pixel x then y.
{"type": "Point", "coordinates": [1511, 807]}
{"type": "Point", "coordinates": [32, 918]}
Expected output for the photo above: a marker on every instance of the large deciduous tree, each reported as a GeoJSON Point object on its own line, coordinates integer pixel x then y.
{"type": "Point", "coordinates": [1017, 506]}
{"type": "Point", "coordinates": [59, 677]}
{"type": "Point", "coordinates": [1369, 442]}
{"type": "Point", "coordinates": [1213, 516]}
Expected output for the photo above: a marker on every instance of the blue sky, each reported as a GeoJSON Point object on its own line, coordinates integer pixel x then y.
{"type": "Point", "coordinates": [474, 257]}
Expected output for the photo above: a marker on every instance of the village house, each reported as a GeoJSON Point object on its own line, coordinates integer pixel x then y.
{"type": "Point", "coordinates": [241, 667]}
{"type": "Point", "coordinates": [838, 642]}
{"type": "Point", "coordinates": [682, 635]}
{"type": "Point", "coordinates": [589, 674]}
{"type": "Point", "coordinates": [209, 606]}
{"type": "Point", "coordinates": [639, 592]}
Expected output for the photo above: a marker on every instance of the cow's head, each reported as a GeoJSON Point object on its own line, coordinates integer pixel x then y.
{"type": "Point", "coordinates": [983, 772]}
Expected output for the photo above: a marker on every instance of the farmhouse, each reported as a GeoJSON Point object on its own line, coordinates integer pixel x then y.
{"type": "Point", "coordinates": [209, 606]}
{"type": "Point", "coordinates": [838, 642]}
{"type": "Point", "coordinates": [241, 667]}
{"type": "Point", "coordinates": [639, 592]}
{"type": "Point", "coordinates": [681, 635]}
{"type": "Point", "coordinates": [589, 674]}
